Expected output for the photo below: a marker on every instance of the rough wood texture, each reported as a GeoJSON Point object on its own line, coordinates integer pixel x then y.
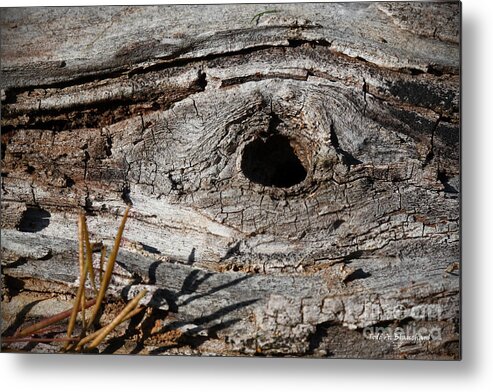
{"type": "Point", "coordinates": [294, 175]}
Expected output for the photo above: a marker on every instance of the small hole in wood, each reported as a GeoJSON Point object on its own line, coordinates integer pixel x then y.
{"type": "Point", "coordinates": [34, 219]}
{"type": "Point", "coordinates": [272, 162]}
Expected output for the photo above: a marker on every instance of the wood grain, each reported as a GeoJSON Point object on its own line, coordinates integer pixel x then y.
{"type": "Point", "coordinates": [188, 113]}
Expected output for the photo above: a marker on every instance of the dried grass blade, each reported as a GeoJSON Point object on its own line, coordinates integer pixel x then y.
{"type": "Point", "coordinates": [50, 320]}
{"type": "Point", "coordinates": [118, 319]}
{"type": "Point", "coordinates": [90, 337]}
{"type": "Point", "coordinates": [89, 256]}
{"type": "Point", "coordinates": [80, 294]}
{"type": "Point", "coordinates": [109, 267]}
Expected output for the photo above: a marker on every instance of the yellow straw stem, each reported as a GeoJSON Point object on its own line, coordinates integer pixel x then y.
{"type": "Point", "coordinates": [81, 243]}
{"type": "Point", "coordinates": [89, 256]}
{"type": "Point", "coordinates": [90, 337]}
{"type": "Point", "coordinates": [118, 319]}
{"type": "Point", "coordinates": [77, 303]}
{"type": "Point", "coordinates": [80, 290]}
{"type": "Point", "coordinates": [49, 321]}
{"type": "Point", "coordinates": [109, 267]}
{"type": "Point", "coordinates": [82, 227]}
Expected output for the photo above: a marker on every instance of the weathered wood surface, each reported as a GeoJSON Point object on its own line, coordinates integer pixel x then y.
{"type": "Point", "coordinates": [294, 175]}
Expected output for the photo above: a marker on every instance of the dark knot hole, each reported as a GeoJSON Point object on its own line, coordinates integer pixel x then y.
{"type": "Point", "coordinates": [272, 162]}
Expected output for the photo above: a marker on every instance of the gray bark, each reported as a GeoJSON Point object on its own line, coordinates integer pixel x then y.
{"type": "Point", "coordinates": [293, 175]}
